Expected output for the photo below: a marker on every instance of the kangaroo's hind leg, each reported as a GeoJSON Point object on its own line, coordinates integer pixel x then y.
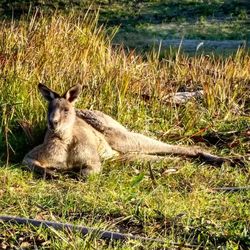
{"type": "Point", "coordinates": [124, 141]}
{"type": "Point", "coordinates": [135, 142]}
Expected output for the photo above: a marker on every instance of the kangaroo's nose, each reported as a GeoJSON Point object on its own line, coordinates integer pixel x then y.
{"type": "Point", "coordinates": [53, 124]}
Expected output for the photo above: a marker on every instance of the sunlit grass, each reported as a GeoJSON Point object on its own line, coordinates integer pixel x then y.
{"type": "Point", "coordinates": [64, 50]}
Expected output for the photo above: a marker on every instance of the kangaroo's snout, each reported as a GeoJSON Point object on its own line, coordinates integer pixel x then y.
{"type": "Point", "coordinates": [53, 124]}
{"type": "Point", "coordinates": [55, 116]}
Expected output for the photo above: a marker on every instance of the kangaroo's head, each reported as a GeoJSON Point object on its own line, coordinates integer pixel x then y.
{"type": "Point", "coordinates": [61, 111]}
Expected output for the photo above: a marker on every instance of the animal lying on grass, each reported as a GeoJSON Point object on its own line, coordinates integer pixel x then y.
{"type": "Point", "coordinates": [79, 140]}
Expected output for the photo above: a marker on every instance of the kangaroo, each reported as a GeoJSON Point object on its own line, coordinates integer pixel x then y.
{"type": "Point", "coordinates": [80, 140]}
{"type": "Point", "coordinates": [70, 143]}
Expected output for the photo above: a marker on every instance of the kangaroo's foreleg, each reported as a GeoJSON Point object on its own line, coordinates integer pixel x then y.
{"type": "Point", "coordinates": [46, 158]}
{"type": "Point", "coordinates": [35, 166]}
{"type": "Point", "coordinates": [100, 121]}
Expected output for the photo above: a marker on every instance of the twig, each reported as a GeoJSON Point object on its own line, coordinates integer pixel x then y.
{"type": "Point", "coordinates": [103, 234]}
{"type": "Point", "coordinates": [151, 174]}
{"type": "Point", "coordinates": [230, 189]}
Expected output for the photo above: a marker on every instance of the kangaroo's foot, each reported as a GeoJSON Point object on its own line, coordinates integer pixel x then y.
{"type": "Point", "coordinates": [209, 158]}
{"type": "Point", "coordinates": [90, 167]}
{"type": "Point", "coordinates": [218, 161]}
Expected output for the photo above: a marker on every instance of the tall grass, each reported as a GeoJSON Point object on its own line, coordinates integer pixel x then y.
{"type": "Point", "coordinates": [64, 50]}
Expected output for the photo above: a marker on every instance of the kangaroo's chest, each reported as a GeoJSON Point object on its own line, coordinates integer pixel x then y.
{"type": "Point", "coordinates": [88, 145]}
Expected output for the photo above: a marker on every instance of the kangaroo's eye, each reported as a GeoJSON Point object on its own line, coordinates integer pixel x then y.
{"type": "Point", "coordinates": [66, 110]}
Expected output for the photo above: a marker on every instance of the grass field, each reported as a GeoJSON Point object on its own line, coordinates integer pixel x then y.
{"type": "Point", "coordinates": [142, 24]}
{"type": "Point", "coordinates": [178, 206]}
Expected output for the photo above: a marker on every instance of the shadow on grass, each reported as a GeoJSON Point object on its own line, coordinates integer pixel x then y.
{"type": "Point", "coordinates": [17, 143]}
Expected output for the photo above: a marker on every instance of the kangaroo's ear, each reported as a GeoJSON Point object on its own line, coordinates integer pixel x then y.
{"type": "Point", "coordinates": [47, 93]}
{"type": "Point", "coordinates": [72, 94]}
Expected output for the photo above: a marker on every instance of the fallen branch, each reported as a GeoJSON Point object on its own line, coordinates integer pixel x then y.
{"type": "Point", "coordinates": [103, 234]}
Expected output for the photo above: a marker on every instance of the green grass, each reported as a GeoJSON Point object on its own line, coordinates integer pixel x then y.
{"type": "Point", "coordinates": [141, 21]}
{"type": "Point", "coordinates": [209, 20]}
{"type": "Point", "coordinates": [178, 207]}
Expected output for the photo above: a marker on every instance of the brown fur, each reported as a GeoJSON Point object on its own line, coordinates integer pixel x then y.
{"type": "Point", "coordinates": [81, 139]}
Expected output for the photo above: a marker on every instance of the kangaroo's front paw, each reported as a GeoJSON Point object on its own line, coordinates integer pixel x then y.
{"type": "Point", "coordinates": [35, 166]}
{"type": "Point", "coordinates": [84, 172]}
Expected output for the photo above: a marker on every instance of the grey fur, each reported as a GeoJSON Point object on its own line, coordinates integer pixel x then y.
{"type": "Point", "coordinates": [81, 139]}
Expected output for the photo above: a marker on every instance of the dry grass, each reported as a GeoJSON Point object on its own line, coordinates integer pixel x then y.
{"type": "Point", "coordinates": [64, 50]}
